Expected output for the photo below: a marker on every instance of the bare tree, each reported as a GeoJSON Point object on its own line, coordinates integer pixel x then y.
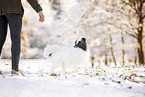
{"type": "Point", "coordinates": [139, 12]}
{"type": "Point", "coordinates": [123, 51]}
{"type": "Point", "coordinates": [112, 51]}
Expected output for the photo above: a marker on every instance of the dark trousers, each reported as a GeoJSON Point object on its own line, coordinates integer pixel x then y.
{"type": "Point", "coordinates": [15, 23]}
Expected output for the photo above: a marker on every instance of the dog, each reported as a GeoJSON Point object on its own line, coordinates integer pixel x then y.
{"type": "Point", "coordinates": [65, 56]}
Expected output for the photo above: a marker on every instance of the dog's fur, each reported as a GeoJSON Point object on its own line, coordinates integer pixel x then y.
{"type": "Point", "coordinates": [68, 56]}
{"type": "Point", "coordinates": [81, 44]}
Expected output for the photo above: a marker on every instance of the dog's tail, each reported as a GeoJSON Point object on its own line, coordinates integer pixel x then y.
{"type": "Point", "coordinates": [49, 50]}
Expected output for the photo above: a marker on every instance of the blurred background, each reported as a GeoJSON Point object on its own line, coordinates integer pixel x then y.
{"type": "Point", "coordinates": [114, 29]}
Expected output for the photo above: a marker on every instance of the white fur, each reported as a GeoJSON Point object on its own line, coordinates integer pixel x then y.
{"type": "Point", "coordinates": [66, 56]}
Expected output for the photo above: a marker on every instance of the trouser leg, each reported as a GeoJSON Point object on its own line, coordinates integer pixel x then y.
{"type": "Point", "coordinates": [15, 24]}
{"type": "Point", "coordinates": [3, 31]}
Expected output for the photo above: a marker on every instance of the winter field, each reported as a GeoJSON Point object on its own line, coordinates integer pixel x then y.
{"type": "Point", "coordinates": [108, 26]}
{"type": "Point", "coordinates": [101, 81]}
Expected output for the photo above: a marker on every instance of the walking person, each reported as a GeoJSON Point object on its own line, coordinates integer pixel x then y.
{"type": "Point", "coordinates": [11, 13]}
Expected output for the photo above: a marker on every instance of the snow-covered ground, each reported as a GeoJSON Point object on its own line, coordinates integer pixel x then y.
{"type": "Point", "coordinates": [127, 81]}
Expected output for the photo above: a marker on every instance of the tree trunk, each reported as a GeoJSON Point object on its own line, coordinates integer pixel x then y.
{"type": "Point", "coordinates": [106, 60]}
{"type": "Point", "coordinates": [135, 59]}
{"type": "Point", "coordinates": [140, 40]}
{"type": "Point", "coordinates": [92, 59]}
{"type": "Point", "coordinates": [112, 51]}
{"type": "Point", "coordinates": [140, 32]}
{"type": "Point", "coordinates": [123, 51]}
{"type": "Point", "coordinates": [99, 62]}
{"type": "Point", "coordinates": [140, 51]}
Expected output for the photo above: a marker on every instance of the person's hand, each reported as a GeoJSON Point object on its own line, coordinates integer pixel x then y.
{"type": "Point", "coordinates": [41, 17]}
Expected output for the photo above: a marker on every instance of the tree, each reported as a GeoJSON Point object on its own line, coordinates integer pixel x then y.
{"type": "Point", "coordinates": [138, 7]}
{"type": "Point", "coordinates": [112, 50]}
{"type": "Point", "coordinates": [123, 51]}
{"type": "Point", "coordinates": [56, 5]}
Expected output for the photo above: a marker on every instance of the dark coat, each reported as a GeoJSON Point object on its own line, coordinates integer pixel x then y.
{"type": "Point", "coordinates": [15, 6]}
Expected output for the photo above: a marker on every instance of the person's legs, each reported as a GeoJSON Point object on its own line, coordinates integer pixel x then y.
{"type": "Point", "coordinates": [15, 24]}
{"type": "Point", "coordinates": [3, 31]}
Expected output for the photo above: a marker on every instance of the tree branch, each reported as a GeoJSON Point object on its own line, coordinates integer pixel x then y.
{"type": "Point", "coordinates": [121, 8]}
{"type": "Point", "coordinates": [133, 7]}
{"type": "Point", "coordinates": [135, 36]}
{"type": "Point", "coordinates": [131, 35]}
{"type": "Point", "coordinates": [132, 29]}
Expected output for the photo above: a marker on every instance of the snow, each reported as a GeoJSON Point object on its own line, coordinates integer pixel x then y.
{"type": "Point", "coordinates": [110, 82]}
